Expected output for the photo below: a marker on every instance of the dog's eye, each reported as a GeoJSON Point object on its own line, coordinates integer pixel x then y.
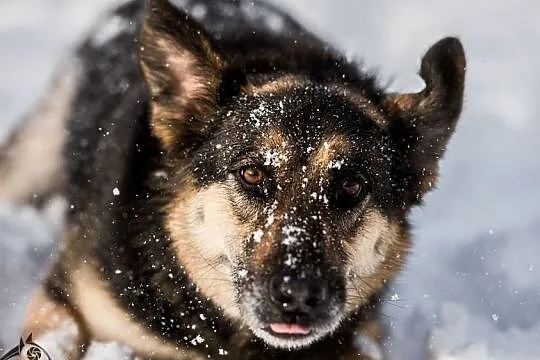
{"type": "Point", "coordinates": [351, 187]}
{"type": "Point", "coordinates": [252, 176]}
{"type": "Point", "coordinates": [351, 190]}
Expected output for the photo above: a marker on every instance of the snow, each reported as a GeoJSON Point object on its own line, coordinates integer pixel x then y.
{"type": "Point", "coordinates": [199, 11]}
{"type": "Point", "coordinates": [109, 30]}
{"type": "Point", "coordinates": [274, 157]}
{"type": "Point", "coordinates": [60, 342]}
{"type": "Point", "coordinates": [258, 235]}
{"type": "Point", "coordinates": [107, 351]}
{"type": "Point", "coordinates": [336, 164]}
{"type": "Point", "coordinates": [476, 240]}
{"type": "Point", "coordinates": [292, 235]}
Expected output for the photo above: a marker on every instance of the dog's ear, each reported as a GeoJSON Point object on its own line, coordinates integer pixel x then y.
{"type": "Point", "coordinates": [183, 71]}
{"type": "Point", "coordinates": [425, 121]}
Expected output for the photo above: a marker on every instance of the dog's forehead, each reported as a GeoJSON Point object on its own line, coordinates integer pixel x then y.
{"type": "Point", "coordinates": [318, 153]}
{"type": "Point", "coordinates": [309, 131]}
{"type": "Point", "coordinates": [319, 128]}
{"type": "Point", "coordinates": [318, 100]}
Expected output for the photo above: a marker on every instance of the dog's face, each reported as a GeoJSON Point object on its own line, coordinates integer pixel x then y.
{"type": "Point", "coordinates": [296, 194]}
{"type": "Point", "coordinates": [291, 195]}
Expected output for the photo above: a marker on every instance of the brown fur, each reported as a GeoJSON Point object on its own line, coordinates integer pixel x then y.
{"type": "Point", "coordinates": [40, 137]}
{"type": "Point", "coordinates": [193, 218]}
{"type": "Point", "coordinates": [377, 253]}
{"type": "Point", "coordinates": [107, 321]}
{"type": "Point", "coordinates": [202, 246]}
{"type": "Point", "coordinates": [278, 85]}
{"type": "Point", "coordinates": [46, 316]}
{"type": "Point", "coordinates": [192, 96]}
{"type": "Point", "coordinates": [323, 157]}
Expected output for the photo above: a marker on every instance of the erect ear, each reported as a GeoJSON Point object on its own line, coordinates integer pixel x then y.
{"type": "Point", "coordinates": [425, 121]}
{"type": "Point", "coordinates": [183, 71]}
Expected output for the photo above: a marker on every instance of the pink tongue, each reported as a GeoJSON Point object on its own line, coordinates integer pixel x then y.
{"type": "Point", "coordinates": [280, 328]}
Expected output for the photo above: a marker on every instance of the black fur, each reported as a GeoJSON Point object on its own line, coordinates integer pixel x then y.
{"type": "Point", "coordinates": [111, 145]}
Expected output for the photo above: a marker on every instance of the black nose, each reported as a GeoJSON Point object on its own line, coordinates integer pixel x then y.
{"type": "Point", "coordinates": [306, 294]}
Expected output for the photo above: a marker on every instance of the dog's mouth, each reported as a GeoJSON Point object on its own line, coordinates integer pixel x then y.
{"type": "Point", "coordinates": [291, 332]}
{"type": "Point", "coordinates": [288, 330]}
{"type": "Point", "coordinates": [292, 312]}
{"type": "Point", "coordinates": [291, 335]}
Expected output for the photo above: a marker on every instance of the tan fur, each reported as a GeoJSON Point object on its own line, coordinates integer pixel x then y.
{"type": "Point", "coordinates": [183, 66]}
{"type": "Point", "coordinates": [275, 139]}
{"type": "Point", "coordinates": [31, 162]}
{"type": "Point", "coordinates": [210, 226]}
{"type": "Point", "coordinates": [107, 321]}
{"type": "Point", "coordinates": [281, 84]}
{"type": "Point", "coordinates": [374, 254]}
{"type": "Point", "coordinates": [268, 246]}
{"type": "Point", "coordinates": [276, 151]}
{"type": "Point", "coordinates": [192, 87]}
{"type": "Point", "coordinates": [197, 80]}
{"type": "Point", "coordinates": [46, 318]}
{"type": "Point", "coordinates": [329, 151]}
{"type": "Point", "coordinates": [402, 103]}
{"type": "Point", "coordinates": [205, 229]}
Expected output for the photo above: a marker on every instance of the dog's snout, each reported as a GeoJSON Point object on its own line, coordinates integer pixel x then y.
{"type": "Point", "coordinates": [298, 294]}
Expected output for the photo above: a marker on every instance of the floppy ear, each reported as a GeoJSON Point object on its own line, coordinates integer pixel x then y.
{"type": "Point", "coordinates": [183, 71]}
{"type": "Point", "coordinates": [425, 121]}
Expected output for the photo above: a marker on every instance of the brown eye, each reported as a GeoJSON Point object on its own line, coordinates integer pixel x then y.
{"type": "Point", "coordinates": [252, 176]}
{"type": "Point", "coordinates": [351, 191]}
{"type": "Point", "coordinates": [351, 187]}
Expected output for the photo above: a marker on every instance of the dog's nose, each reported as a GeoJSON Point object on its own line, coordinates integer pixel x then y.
{"type": "Point", "coordinates": [292, 294]}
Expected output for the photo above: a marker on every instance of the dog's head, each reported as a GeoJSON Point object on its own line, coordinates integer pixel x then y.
{"type": "Point", "coordinates": [291, 189]}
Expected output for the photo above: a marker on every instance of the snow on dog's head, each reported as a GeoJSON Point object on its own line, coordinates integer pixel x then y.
{"type": "Point", "coordinates": [292, 189]}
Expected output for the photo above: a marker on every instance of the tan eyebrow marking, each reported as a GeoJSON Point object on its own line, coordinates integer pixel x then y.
{"type": "Point", "coordinates": [274, 138]}
{"type": "Point", "coordinates": [276, 150]}
{"type": "Point", "coordinates": [280, 84]}
{"type": "Point", "coordinates": [327, 152]}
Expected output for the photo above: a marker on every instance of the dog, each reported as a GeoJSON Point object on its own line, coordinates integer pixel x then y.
{"type": "Point", "coordinates": [236, 188]}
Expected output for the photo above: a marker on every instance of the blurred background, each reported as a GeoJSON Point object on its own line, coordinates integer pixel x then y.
{"type": "Point", "coordinates": [472, 286]}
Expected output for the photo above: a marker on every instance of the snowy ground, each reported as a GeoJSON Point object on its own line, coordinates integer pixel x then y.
{"type": "Point", "coordinates": [472, 287]}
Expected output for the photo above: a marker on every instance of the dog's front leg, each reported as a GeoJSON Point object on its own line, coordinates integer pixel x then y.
{"type": "Point", "coordinates": [55, 327]}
